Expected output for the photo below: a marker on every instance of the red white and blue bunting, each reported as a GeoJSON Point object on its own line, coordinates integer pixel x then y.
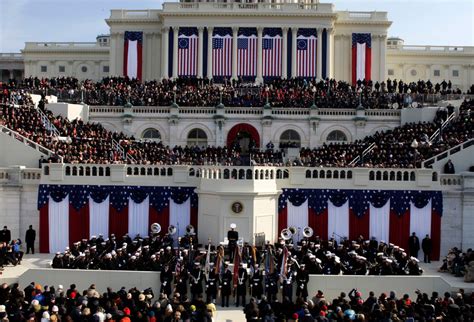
{"type": "Point", "coordinates": [69, 213]}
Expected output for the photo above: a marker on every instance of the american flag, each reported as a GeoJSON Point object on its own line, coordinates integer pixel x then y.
{"type": "Point", "coordinates": [271, 55]}
{"type": "Point", "coordinates": [247, 55]}
{"type": "Point", "coordinates": [306, 56]}
{"type": "Point", "coordinates": [187, 55]}
{"type": "Point", "coordinates": [222, 55]}
{"type": "Point", "coordinates": [361, 56]}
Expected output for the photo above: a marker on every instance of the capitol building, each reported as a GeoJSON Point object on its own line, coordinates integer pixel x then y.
{"type": "Point", "coordinates": [253, 43]}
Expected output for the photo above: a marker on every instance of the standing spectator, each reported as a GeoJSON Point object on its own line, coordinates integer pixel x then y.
{"type": "Point", "coordinates": [5, 235]}
{"type": "Point", "coordinates": [414, 245]}
{"type": "Point", "coordinates": [427, 246]}
{"type": "Point", "coordinates": [449, 167]}
{"type": "Point", "coordinates": [30, 240]}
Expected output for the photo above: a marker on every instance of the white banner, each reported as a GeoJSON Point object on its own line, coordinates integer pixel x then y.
{"type": "Point", "coordinates": [58, 221]}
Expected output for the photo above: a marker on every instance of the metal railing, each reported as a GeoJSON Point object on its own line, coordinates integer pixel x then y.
{"type": "Point", "coordinates": [447, 153]}
{"type": "Point", "coordinates": [438, 132]}
{"type": "Point", "coordinates": [364, 153]}
{"type": "Point", "coordinates": [17, 136]}
{"type": "Point", "coordinates": [47, 123]}
{"type": "Point", "coordinates": [125, 156]}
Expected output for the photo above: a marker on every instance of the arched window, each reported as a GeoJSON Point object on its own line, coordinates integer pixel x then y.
{"type": "Point", "coordinates": [290, 138]}
{"type": "Point", "coordinates": [197, 137]}
{"type": "Point", "coordinates": [151, 134]}
{"type": "Point", "coordinates": [336, 136]}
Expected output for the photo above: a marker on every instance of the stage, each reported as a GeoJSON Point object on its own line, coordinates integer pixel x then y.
{"type": "Point", "coordinates": [36, 268]}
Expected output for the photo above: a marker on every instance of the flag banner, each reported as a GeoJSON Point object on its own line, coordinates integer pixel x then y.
{"type": "Point", "coordinates": [389, 215]}
{"type": "Point", "coordinates": [306, 52]}
{"type": "Point", "coordinates": [272, 42]}
{"type": "Point", "coordinates": [222, 52]}
{"type": "Point", "coordinates": [247, 52]}
{"type": "Point", "coordinates": [132, 54]}
{"type": "Point", "coordinates": [361, 56]}
{"type": "Point", "coordinates": [69, 213]}
{"type": "Point", "coordinates": [187, 51]}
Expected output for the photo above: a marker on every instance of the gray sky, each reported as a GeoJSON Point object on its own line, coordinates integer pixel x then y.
{"type": "Point", "coordinates": [419, 22]}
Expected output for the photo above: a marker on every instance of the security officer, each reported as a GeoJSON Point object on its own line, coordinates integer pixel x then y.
{"type": "Point", "coordinates": [225, 285]}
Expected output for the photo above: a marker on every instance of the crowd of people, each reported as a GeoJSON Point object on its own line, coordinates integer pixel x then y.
{"type": "Point", "coordinates": [457, 261]}
{"type": "Point", "coordinates": [55, 303]}
{"type": "Point", "coordinates": [328, 93]}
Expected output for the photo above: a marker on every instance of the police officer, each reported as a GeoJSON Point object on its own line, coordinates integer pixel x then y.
{"type": "Point", "coordinates": [225, 285]}
{"type": "Point", "coordinates": [241, 287]}
{"type": "Point", "coordinates": [211, 285]}
{"type": "Point", "coordinates": [302, 279]}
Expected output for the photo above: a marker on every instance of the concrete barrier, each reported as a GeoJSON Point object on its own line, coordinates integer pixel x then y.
{"type": "Point", "coordinates": [331, 285]}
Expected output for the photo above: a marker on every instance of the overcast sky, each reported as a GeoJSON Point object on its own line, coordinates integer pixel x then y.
{"type": "Point", "coordinates": [418, 22]}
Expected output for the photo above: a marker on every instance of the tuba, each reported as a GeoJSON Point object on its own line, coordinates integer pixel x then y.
{"type": "Point", "coordinates": [307, 232]}
{"type": "Point", "coordinates": [172, 230]}
{"type": "Point", "coordinates": [155, 228]}
{"type": "Point", "coordinates": [190, 229]}
{"type": "Point", "coordinates": [286, 234]}
{"type": "Point", "coordinates": [293, 229]}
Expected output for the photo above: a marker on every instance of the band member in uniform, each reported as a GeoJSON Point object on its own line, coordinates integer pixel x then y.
{"type": "Point", "coordinates": [211, 285]}
{"type": "Point", "coordinates": [271, 286]}
{"type": "Point", "coordinates": [181, 282]}
{"type": "Point", "coordinates": [302, 279]}
{"type": "Point", "coordinates": [166, 278]}
{"type": "Point", "coordinates": [256, 286]}
{"type": "Point", "coordinates": [225, 285]}
{"type": "Point", "coordinates": [241, 287]}
{"type": "Point", "coordinates": [232, 236]}
{"type": "Point", "coordinates": [195, 280]}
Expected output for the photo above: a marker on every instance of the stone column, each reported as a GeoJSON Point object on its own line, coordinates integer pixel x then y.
{"type": "Point", "coordinates": [329, 51]}
{"type": "Point", "coordinates": [383, 47]}
{"type": "Point", "coordinates": [284, 71]}
{"type": "Point", "coordinates": [209, 52]}
{"type": "Point", "coordinates": [319, 57]}
{"type": "Point", "coordinates": [428, 71]}
{"type": "Point", "coordinates": [235, 34]}
{"type": "Point", "coordinates": [294, 33]}
{"type": "Point", "coordinates": [112, 55]}
{"type": "Point", "coordinates": [175, 52]}
{"type": "Point", "coordinates": [165, 51]}
{"type": "Point", "coordinates": [259, 54]}
{"type": "Point", "coordinates": [200, 51]}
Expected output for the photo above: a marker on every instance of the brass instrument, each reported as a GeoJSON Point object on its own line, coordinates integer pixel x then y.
{"type": "Point", "coordinates": [155, 228]}
{"type": "Point", "coordinates": [286, 234]}
{"type": "Point", "coordinates": [172, 230]}
{"type": "Point", "coordinates": [308, 232]}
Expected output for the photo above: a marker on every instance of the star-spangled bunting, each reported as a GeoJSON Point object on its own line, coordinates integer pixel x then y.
{"type": "Point", "coordinates": [360, 200]}
{"type": "Point", "coordinates": [118, 195]}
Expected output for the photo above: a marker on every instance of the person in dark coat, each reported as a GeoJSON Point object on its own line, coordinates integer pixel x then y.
{"type": "Point", "coordinates": [271, 286]}
{"type": "Point", "coordinates": [256, 285]}
{"type": "Point", "coordinates": [211, 286]}
{"type": "Point", "coordinates": [241, 287]}
{"type": "Point", "coordinates": [414, 245]}
{"type": "Point", "coordinates": [233, 237]}
{"type": "Point", "coordinates": [195, 280]}
{"type": "Point", "coordinates": [449, 168]}
{"type": "Point", "coordinates": [166, 278]}
{"type": "Point", "coordinates": [5, 235]}
{"type": "Point", "coordinates": [226, 286]}
{"type": "Point", "coordinates": [30, 238]}
{"type": "Point", "coordinates": [427, 247]}
{"type": "Point", "coordinates": [302, 279]}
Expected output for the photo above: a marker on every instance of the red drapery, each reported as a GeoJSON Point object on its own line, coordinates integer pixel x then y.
{"type": "Point", "coordinates": [319, 223]}
{"type": "Point", "coordinates": [44, 229]}
{"type": "Point", "coordinates": [162, 218]}
{"type": "Point", "coordinates": [78, 223]}
{"type": "Point", "coordinates": [435, 235]}
{"type": "Point", "coordinates": [243, 127]}
{"type": "Point", "coordinates": [118, 221]}
{"type": "Point", "coordinates": [359, 225]}
{"type": "Point", "coordinates": [282, 220]}
{"type": "Point", "coordinates": [400, 229]}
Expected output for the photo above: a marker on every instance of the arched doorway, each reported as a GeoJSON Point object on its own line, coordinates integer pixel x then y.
{"type": "Point", "coordinates": [244, 135]}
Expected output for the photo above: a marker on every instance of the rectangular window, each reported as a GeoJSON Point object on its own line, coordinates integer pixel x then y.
{"type": "Point", "coordinates": [455, 73]}
{"type": "Point", "coordinates": [390, 72]}
{"type": "Point", "coordinates": [44, 69]}
{"type": "Point", "coordinates": [105, 69]}
{"type": "Point", "coordinates": [436, 73]}
{"type": "Point", "coordinates": [62, 69]}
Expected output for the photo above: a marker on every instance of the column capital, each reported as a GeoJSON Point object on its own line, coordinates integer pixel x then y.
{"type": "Point", "coordinates": [235, 29]}
{"type": "Point", "coordinates": [165, 28]}
{"type": "Point", "coordinates": [284, 29]}
{"type": "Point", "coordinates": [210, 29]}
{"type": "Point", "coordinates": [260, 29]}
{"type": "Point", "coordinates": [200, 28]}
